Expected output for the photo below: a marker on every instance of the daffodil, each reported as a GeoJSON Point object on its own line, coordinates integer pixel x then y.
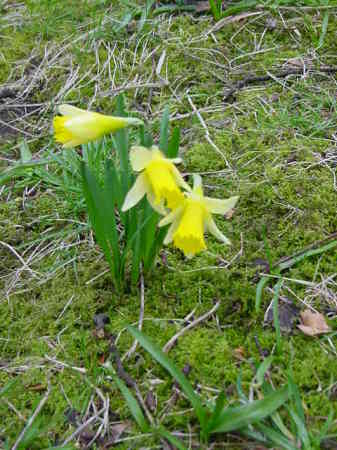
{"type": "Point", "coordinates": [193, 217]}
{"type": "Point", "coordinates": [159, 180]}
{"type": "Point", "coordinates": [77, 126]}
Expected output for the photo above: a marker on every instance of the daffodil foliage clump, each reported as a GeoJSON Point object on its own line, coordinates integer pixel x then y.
{"type": "Point", "coordinates": [141, 201]}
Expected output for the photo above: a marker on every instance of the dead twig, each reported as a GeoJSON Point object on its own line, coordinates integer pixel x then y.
{"type": "Point", "coordinates": [167, 347]}
{"type": "Point", "coordinates": [82, 427]}
{"type": "Point", "coordinates": [130, 382]}
{"type": "Point", "coordinates": [63, 364]}
{"type": "Point", "coordinates": [252, 79]}
{"type": "Point", "coordinates": [123, 375]}
{"type": "Point", "coordinates": [31, 419]}
{"type": "Point", "coordinates": [207, 136]}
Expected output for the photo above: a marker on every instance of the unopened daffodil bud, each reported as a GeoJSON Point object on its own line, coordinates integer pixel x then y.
{"type": "Point", "coordinates": [77, 126]}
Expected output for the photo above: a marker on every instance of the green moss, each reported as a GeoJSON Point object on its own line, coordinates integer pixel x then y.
{"type": "Point", "coordinates": [274, 139]}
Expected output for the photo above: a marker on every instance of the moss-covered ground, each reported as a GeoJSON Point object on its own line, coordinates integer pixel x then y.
{"type": "Point", "coordinates": [272, 142]}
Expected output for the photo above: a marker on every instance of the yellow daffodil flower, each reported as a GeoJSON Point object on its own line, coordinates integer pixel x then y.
{"type": "Point", "coordinates": [159, 180]}
{"type": "Point", "coordinates": [194, 216]}
{"type": "Point", "coordinates": [77, 126]}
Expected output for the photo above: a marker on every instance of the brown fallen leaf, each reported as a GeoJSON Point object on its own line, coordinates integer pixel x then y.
{"type": "Point", "coordinates": [115, 432]}
{"type": "Point", "coordinates": [239, 353]}
{"type": "Point", "coordinates": [313, 323]}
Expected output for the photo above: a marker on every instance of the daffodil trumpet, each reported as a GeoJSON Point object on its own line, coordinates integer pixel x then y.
{"type": "Point", "coordinates": [189, 220]}
{"type": "Point", "coordinates": [159, 180]}
{"type": "Point", "coordinates": [77, 126]}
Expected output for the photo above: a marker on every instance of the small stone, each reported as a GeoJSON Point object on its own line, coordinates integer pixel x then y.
{"type": "Point", "coordinates": [100, 320]}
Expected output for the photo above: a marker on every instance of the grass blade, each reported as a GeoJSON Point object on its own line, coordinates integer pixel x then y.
{"type": "Point", "coordinates": [312, 252]}
{"type": "Point", "coordinates": [7, 387]}
{"type": "Point", "coordinates": [296, 398]}
{"type": "Point", "coordinates": [276, 438]}
{"type": "Point", "coordinates": [325, 24]}
{"type": "Point", "coordinates": [263, 367]}
{"type": "Point", "coordinates": [160, 357]}
{"type": "Point", "coordinates": [277, 420]}
{"type": "Point", "coordinates": [215, 9]}
{"type": "Point", "coordinates": [25, 153]}
{"type": "Point", "coordinates": [19, 169]}
{"type": "Point", "coordinates": [113, 184]}
{"type": "Point", "coordinates": [302, 432]}
{"type": "Point", "coordinates": [276, 315]}
{"type": "Point", "coordinates": [241, 6]}
{"type": "Point", "coordinates": [144, 15]}
{"type": "Point", "coordinates": [155, 248]}
{"type": "Point", "coordinates": [132, 403]}
{"type": "Point", "coordinates": [241, 416]}
{"type": "Point", "coordinates": [173, 145]}
{"type": "Point", "coordinates": [171, 439]}
{"type": "Point", "coordinates": [102, 218]}
{"type": "Point", "coordinates": [259, 289]}
{"type": "Point", "coordinates": [219, 406]}
{"type": "Point", "coordinates": [164, 130]}
{"type": "Point", "coordinates": [145, 137]}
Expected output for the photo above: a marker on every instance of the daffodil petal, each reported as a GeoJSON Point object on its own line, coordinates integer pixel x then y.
{"type": "Point", "coordinates": [70, 110]}
{"type": "Point", "coordinates": [140, 157]}
{"type": "Point", "coordinates": [212, 228]}
{"type": "Point", "coordinates": [171, 217]}
{"type": "Point", "coordinates": [180, 180]}
{"type": "Point", "coordinates": [217, 206]}
{"type": "Point", "coordinates": [158, 207]}
{"type": "Point", "coordinates": [170, 232]}
{"type": "Point", "coordinates": [197, 181]}
{"type": "Point", "coordinates": [136, 193]}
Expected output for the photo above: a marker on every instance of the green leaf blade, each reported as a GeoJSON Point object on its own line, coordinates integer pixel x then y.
{"type": "Point", "coordinates": [162, 359]}
{"type": "Point", "coordinates": [241, 416]}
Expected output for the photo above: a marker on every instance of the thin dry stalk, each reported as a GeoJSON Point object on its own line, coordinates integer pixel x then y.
{"type": "Point", "coordinates": [167, 347]}
{"type": "Point", "coordinates": [31, 419]}
{"type": "Point", "coordinates": [207, 135]}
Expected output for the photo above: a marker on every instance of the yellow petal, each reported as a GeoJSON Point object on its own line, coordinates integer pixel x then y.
{"type": "Point", "coordinates": [61, 133]}
{"type": "Point", "coordinates": [212, 228]}
{"type": "Point", "coordinates": [180, 180]}
{"type": "Point", "coordinates": [189, 236]}
{"type": "Point", "coordinates": [164, 187]}
{"type": "Point", "coordinates": [197, 182]}
{"type": "Point", "coordinates": [158, 207]}
{"type": "Point", "coordinates": [136, 193]}
{"type": "Point", "coordinates": [170, 232]}
{"type": "Point", "coordinates": [217, 206]}
{"type": "Point", "coordinates": [140, 157]}
{"type": "Point", "coordinates": [171, 217]}
{"type": "Point", "coordinates": [70, 110]}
